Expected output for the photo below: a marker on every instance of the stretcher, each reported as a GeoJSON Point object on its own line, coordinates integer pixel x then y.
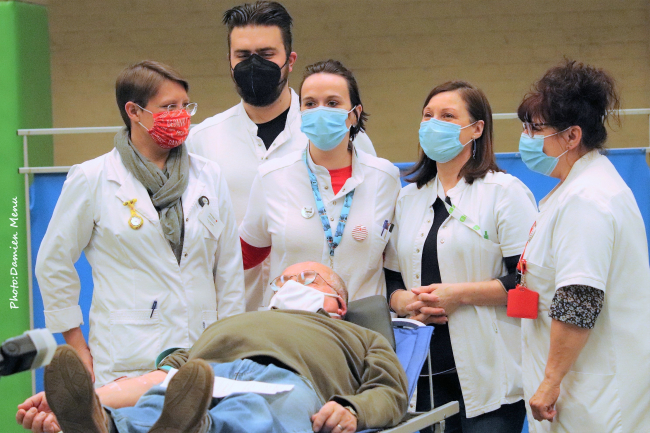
{"type": "Point", "coordinates": [411, 340]}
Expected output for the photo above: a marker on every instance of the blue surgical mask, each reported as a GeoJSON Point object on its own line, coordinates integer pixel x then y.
{"type": "Point", "coordinates": [325, 126]}
{"type": "Point", "coordinates": [440, 140]}
{"type": "Point", "coordinates": [532, 153]}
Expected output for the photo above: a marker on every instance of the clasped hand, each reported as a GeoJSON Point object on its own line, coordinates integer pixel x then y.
{"type": "Point", "coordinates": [433, 303]}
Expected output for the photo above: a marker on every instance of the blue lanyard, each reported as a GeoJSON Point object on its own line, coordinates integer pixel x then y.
{"type": "Point", "coordinates": [332, 241]}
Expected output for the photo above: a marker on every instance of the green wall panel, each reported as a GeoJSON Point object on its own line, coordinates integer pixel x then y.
{"type": "Point", "coordinates": [26, 103]}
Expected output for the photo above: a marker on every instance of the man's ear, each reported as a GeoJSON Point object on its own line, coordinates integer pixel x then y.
{"type": "Point", "coordinates": [292, 60]}
{"type": "Point", "coordinates": [343, 308]}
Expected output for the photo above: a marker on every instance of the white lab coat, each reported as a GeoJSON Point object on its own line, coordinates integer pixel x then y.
{"type": "Point", "coordinates": [230, 139]}
{"type": "Point", "coordinates": [486, 342]}
{"type": "Point", "coordinates": [282, 190]}
{"type": "Point", "coordinates": [590, 232]}
{"type": "Point", "coordinates": [133, 268]}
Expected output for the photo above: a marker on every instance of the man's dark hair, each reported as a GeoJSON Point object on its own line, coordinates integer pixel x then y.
{"type": "Point", "coordinates": [260, 13]}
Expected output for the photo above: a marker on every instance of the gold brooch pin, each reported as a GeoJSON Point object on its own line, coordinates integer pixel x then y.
{"type": "Point", "coordinates": [135, 220]}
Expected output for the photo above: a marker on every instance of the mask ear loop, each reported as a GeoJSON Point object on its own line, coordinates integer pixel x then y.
{"type": "Point", "coordinates": [144, 109]}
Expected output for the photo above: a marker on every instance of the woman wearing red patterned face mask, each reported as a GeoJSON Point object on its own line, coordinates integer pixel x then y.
{"type": "Point", "coordinates": [157, 227]}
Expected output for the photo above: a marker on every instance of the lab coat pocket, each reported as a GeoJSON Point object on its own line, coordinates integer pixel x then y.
{"type": "Point", "coordinates": [135, 339]}
{"type": "Point", "coordinates": [490, 260]}
{"type": "Point", "coordinates": [589, 403]}
{"type": "Point", "coordinates": [378, 246]}
{"type": "Point", "coordinates": [208, 317]}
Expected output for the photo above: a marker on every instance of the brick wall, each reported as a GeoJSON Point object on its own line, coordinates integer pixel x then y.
{"type": "Point", "coordinates": [398, 49]}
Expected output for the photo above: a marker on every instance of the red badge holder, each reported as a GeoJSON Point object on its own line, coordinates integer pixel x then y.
{"type": "Point", "coordinates": [522, 302]}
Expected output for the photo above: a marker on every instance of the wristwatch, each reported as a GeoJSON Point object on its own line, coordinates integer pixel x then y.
{"type": "Point", "coordinates": [352, 411]}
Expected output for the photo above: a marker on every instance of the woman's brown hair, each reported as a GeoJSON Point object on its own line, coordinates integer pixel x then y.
{"type": "Point", "coordinates": [484, 161]}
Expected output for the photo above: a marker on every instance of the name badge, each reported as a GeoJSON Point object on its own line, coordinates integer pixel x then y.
{"type": "Point", "coordinates": [522, 303]}
{"type": "Point", "coordinates": [210, 220]}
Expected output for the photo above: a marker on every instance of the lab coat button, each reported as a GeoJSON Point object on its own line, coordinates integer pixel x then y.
{"type": "Point", "coordinates": [421, 234]}
{"type": "Point", "coordinates": [187, 219]}
{"type": "Point", "coordinates": [185, 255]}
{"type": "Point", "coordinates": [428, 221]}
{"type": "Point", "coordinates": [496, 330]}
{"type": "Point", "coordinates": [442, 241]}
{"type": "Point", "coordinates": [331, 218]}
{"type": "Point", "coordinates": [327, 187]}
{"type": "Point", "coordinates": [417, 275]}
{"type": "Point", "coordinates": [334, 202]}
{"type": "Point", "coordinates": [417, 250]}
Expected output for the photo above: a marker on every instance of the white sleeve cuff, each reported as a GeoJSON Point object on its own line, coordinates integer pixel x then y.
{"type": "Point", "coordinates": [64, 319]}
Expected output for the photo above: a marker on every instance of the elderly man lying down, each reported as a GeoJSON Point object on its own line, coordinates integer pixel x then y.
{"type": "Point", "coordinates": [343, 377]}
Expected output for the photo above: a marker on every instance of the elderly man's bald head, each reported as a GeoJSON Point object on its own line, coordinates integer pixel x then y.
{"type": "Point", "coordinates": [325, 272]}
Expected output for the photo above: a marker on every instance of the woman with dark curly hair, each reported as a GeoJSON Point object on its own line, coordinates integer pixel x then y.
{"type": "Point", "coordinates": [585, 364]}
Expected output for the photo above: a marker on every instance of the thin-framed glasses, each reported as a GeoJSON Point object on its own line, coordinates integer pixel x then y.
{"type": "Point", "coordinates": [530, 128]}
{"type": "Point", "coordinates": [305, 278]}
{"type": "Point", "coordinates": [190, 107]}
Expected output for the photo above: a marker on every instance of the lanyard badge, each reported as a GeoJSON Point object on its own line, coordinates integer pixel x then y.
{"type": "Point", "coordinates": [332, 241]}
{"type": "Point", "coordinates": [523, 302]}
{"type": "Point", "coordinates": [135, 220]}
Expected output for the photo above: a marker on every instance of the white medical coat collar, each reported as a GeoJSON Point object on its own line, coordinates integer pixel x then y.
{"type": "Point", "coordinates": [131, 188]}
{"type": "Point", "coordinates": [285, 135]}
{"type": "Point", "coordinates": [453, 193]}
{"type": "Point", "coordinates": [324, 178]}
{"type": "Point", "coordinates": [579, 166]}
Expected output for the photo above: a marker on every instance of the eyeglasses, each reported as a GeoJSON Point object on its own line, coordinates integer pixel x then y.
{"type": "Point", "coordinates": [530, 128]}
{"type": "Point", "coordinates": [305, 278]}
{"type": "Point", "coordinates": [189, 107]}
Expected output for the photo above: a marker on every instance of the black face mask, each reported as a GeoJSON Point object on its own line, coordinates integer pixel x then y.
{"type": "Point", "coordinates": [259, 80]}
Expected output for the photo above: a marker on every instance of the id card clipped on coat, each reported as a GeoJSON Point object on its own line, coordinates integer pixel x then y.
{"type": "Point", "coordinates": [522, 303]}
{"type": "Point", "coordinates": [209, 218]}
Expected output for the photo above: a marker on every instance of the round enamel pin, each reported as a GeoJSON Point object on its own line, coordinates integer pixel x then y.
{"type": "Point", "coordinates": [307, 212]}
{"type": "Point", "coordinates": [360, 233]}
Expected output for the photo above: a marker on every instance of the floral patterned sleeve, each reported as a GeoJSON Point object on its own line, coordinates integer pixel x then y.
{"type": "Point", "coordinates": [577, 305]}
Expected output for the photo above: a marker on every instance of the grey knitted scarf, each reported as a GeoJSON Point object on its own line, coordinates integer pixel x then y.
{"type": "Point", "coordinates": [165, 187]}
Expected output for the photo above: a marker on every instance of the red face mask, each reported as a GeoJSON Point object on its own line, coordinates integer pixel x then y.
{"type": "Point", "coordinates": [170, 128]}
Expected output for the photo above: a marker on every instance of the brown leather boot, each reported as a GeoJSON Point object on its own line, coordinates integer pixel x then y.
{"type": "Point", "coordinates": [187, 400]}
{"type": "Point", "coordinates": [71, 396]}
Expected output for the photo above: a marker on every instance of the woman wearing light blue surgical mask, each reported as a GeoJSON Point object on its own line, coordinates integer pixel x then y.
{"type": "Point", "coordinates": [460, 228]}
{"type": "Point", "coordinates": [329, 203]}
{"type": "Point", "coordinates": [587, 258]}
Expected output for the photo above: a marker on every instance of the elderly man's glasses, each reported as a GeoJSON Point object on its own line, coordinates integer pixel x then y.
{"type": "Point", "coordinates": [530, 128]}
{"type": "Point", "coordinates": [305, 278]}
